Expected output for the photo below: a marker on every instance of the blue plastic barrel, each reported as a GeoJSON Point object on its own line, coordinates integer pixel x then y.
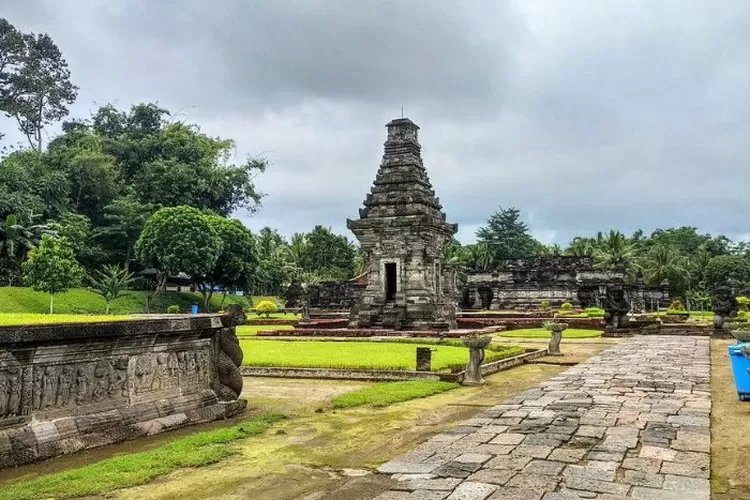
{"type": "Point", "coordinates": [194, 309]}
{"type": "Point", "coordinates": [739, 356]}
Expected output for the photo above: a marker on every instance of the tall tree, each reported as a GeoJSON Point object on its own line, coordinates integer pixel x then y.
{"type": "Point", "coordinates": [327, 254]}
{"type": "Point", "coordinates": [35, 86]}
{"type": "Point", "coordinates": [124, 221]}
{"type": "Point", "coordinates": [238, 259]}
{"type": "Point", "coordinates": [507, 236]}
{"type": "Point", "coordinates": [728, 270]}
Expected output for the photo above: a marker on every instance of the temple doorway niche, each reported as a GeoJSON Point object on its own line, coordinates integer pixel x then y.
{"type": "Point", "coordinates": [390, 281]}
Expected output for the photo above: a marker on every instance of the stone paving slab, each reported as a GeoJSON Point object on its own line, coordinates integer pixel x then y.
{"type": "Point", "coordinates": [631, 422]}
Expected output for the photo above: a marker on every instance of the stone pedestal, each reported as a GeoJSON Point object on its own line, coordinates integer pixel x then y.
{"type": "Point", "coordinates": [554, 344]}
{"type": "Point", "coordinates": [473, 373]}
{"type": "Point", "coordinates": [424, 359]}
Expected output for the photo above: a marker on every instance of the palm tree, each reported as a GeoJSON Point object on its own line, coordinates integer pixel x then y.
{"type": "Point", "coordinates": [479, 257]}
{"type": "Point", "coordinates": [581, 247]}
{"type": "Point", "coordinates": [614, 251]}
{"type": "Point", "coordinates": [361, 262]}
{"type": "Point", "coordinates": [16, 239]}
{"type": "Point", "coordinates": [553, 249]}
{"type": "Point", "coordinates": [664, 263]}
{"type": "Point", "coordinates": [110, 282]}
{"type": "Point", "coordinates": [697, 265]}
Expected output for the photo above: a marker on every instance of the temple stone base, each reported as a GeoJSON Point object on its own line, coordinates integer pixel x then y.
{"type": "Point", "coordinates": [71, 387]}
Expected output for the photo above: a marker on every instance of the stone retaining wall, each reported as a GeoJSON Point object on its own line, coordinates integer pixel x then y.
{"type": "Point", "coordinates": [337, 373]}
{"type": "Point", "coordinates": [386, 375]}
{"type": "Point", "coordinates": [69, 387]}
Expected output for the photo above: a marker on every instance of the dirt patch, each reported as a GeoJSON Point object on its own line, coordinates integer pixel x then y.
{"type": "Point", "coordinates": [730, 437]}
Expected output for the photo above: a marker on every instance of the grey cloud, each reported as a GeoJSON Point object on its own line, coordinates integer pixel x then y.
{"type": "Point", "coordinates": [586, 115]}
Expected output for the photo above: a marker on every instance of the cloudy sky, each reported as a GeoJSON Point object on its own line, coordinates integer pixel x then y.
{"type": "Point", "coordinates": [584, 114]}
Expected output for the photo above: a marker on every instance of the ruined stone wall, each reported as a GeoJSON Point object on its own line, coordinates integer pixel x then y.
{"type": "Point", "coordinates": [69, 387]}
{"type": "Point", "coordinates": [334, 295]}
{"type": "Point", "coordinates": [525, 283]}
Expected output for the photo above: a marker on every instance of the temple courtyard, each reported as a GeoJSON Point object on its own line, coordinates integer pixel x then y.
{"type": "Point", "coordinates": [645, 417]}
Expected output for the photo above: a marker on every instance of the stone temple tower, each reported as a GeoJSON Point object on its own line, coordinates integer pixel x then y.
{"type": "Point", "coordinates": [403, 231]}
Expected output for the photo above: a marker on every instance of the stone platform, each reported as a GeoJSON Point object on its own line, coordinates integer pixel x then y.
{"type": "Point", "coordinates": [631, 422]}
{"type": "Point", "coordinates": [70, 387]}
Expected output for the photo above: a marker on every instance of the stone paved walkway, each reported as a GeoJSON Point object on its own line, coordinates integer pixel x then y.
{"type": "Point", "coordinates": [630, 422]}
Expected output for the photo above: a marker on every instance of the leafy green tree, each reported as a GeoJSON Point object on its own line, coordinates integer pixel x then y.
{"type": "Point", "coordinates": [328, 254]}
{"type": "Point", "coordinates": [29, 186]}
{"type": "Point", "coordinates": [35, 86]}
{"type": "Point", "coordinates": [238, 259]}
{"type": "Point", "coordinates": [728, 270]}
{"type": "Point", "coordinates": [110, 282]}
{"type": "Point", "coordinates": [10, 270]}
{"type": "Point", "coordinates": [507, 236]}
{"type": "Point", "coordinates": [52, 268]}
{"type": "Point", "coordinates": [76, 229]}
{"type": "Point", "coordinates": [179, 239]}
{"type": "Point", "coordinates": [701, 299]}
{"type": "Point", "coordinates": [124, 220]}
{"type": "Point", "coordinates": [162, 162]}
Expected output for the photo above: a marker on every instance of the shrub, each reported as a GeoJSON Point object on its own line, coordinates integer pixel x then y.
{"type": "Point", "coordinates": [676, 312]}
{"type": "Point", "coordinates": [744, 303]}
{"type": "Point", "coordinates": [676, 305]}
{"type": "Point", "coordinates": [265, 307]}
{"type": "Point", "coordinates": [173, 309]}
{"type": "Point", "coordinates": [544, 304]}
{"type": "Point", "coordinates": [566, 306]}
{"type": "Point", "coordinates": [594, 312]}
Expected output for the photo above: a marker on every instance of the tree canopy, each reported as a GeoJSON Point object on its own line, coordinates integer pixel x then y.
{"type": "Point", "coordinates": [506, 236]}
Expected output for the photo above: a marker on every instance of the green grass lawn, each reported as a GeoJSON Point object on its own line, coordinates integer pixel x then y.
{"type": "Point", "coordinates": [388, 393]}
{"type": "Point", "coordinates": [366, 355]}
{"type": "Point", "coordinates": [12, 319]}
{"type": "Point", "coordinates": [82, 301]}
{"type": "Point", "coordinates": [252, 330]}
{"type": "Point", "coordinates": [201, 448]}
{"type": "Point", "coordinates": [541, 333]}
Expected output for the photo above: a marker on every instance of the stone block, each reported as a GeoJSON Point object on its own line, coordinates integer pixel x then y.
{"type": "Point", "coordinates": [568, 455]}
{"type": "Point", "coordinates": [469, 490]}
{"type": "Point", "coordinates": [508, 439]}
{"type": "Point", "coordinates": [641, 478]}
{"type": "Point", "coordinates": [492, 476]}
